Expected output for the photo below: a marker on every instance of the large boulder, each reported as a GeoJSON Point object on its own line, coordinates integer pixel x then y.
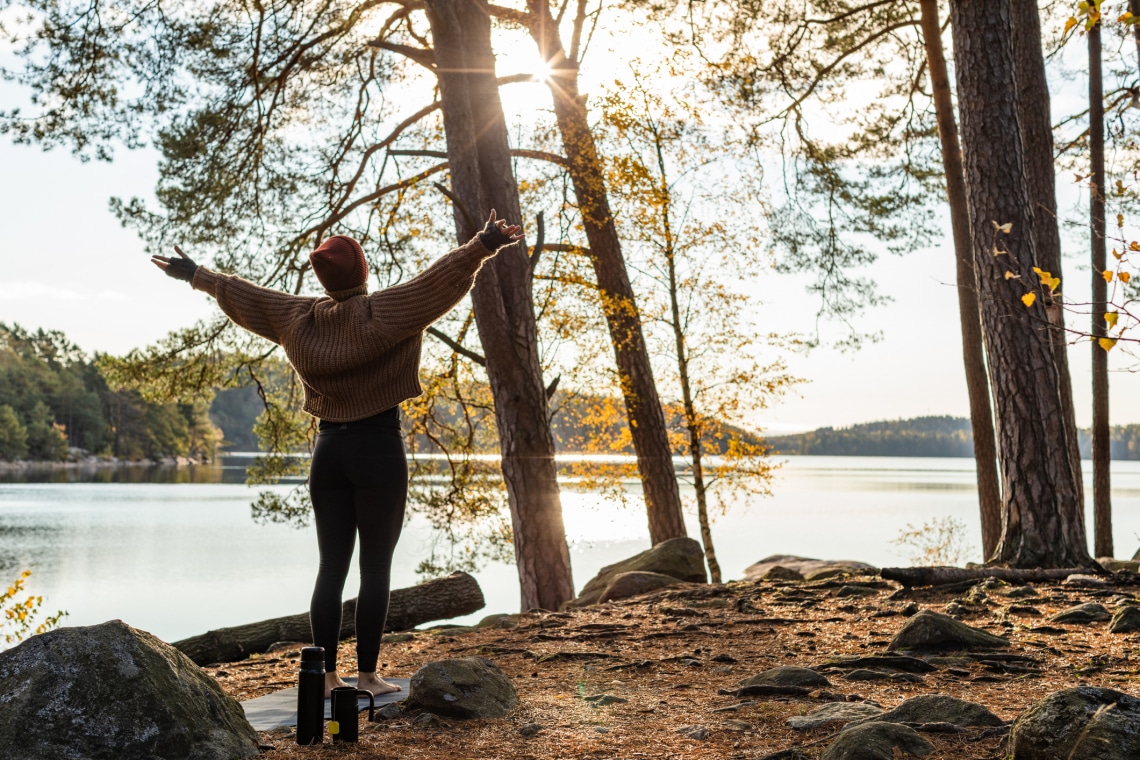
{"type": "Point", "coordinates": [787, 675]}
{"type": "Point", "coordinates": [111, 691]}
{"type": "Point", "coordinates": [1084, 723]}
{"type": "Point", "coordinates": [680, 558]}
{"type": "Point", "coordinates": [466, 687]}
{"type": "Point", "coordinates": [810, 569]}
{"type": "Point", "coordinates": [834, 712]}
{"type": "Point", "coordinates": [929, 631]}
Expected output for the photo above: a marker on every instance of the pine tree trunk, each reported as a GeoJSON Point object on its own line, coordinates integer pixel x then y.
{"type": "Point", "coordinates": [1042, 515]}
{"type": "Point", "coordinates": [1134, 9]}
{"type": "Point", "coordinates": [482, 179]}
{"type": "Point", "coordinates": [973, 354]}
{"type": "Point", "coordinates": [1041, 179]}
{"type": "Point", "coordinates": [643, 406]}
{"type": "Point", "coordinates": [1101, 455]}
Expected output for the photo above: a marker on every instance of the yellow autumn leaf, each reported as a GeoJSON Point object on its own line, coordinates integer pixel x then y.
{"type": "Point", "coordinates": [1110, 317]}
{"type": "Point", "coordinates": [1134, 246]}
{"type": "Point", "coordinates": [1120, 220]}
{"type": "Point", "coordinates": [1125, 276]}
{"type": "Point", "coordinates": [1107, 274]}
{"type": "Point", "coordinates": [1011, 276]}
{"type": "Point", "coordinates": [1028, 299]}
{"type": "Point", "coordinates": [1117, 256]}
{"type": "Point", "coordinates": [1070, 24]}
{"type": "Point", "coordinates": [1106, 343]}
{"type": "Point", "coordinates": [1003, 227]}
{"type": "Point", "coordinates": [1053, 283]}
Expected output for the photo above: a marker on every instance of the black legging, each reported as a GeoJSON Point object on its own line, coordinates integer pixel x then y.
{"type": "Point", "coordinates": [358, 482]}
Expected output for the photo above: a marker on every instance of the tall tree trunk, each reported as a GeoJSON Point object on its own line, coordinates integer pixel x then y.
{"type": "Point", "coordinates": [643, 406]}
{"type": "Point", "coordinates": [977, 384]}
{"type": "Point", "coordinates": [1042, 515]}
{"type": "Point", "coordinates": [1101, 456]}
{"type": "Point", "coordinates": [1041, 179]}
{"type": "Point", "coordinates": [1134, 9]}
{"type": "Point", "coordinates": [482, 179]}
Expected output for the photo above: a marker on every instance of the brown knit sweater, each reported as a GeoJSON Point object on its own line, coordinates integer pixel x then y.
{"type": "Point", "coordinates": [356, 353]}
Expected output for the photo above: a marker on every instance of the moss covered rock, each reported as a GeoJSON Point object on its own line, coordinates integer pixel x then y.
{"type": "Point", "coordinates": [679, 558]}
{"type": "Point", "coordinates": [1085, 723]}
{"type": "Point", "coordinates": [111, 691]}
{"type": "Point", "coordinates": [465, 687]}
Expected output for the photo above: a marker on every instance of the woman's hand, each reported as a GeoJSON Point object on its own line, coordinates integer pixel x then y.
{"type": "Point", "coordinates": [179, 269]}
{"type": "Point", "coordinates": [497, 233]}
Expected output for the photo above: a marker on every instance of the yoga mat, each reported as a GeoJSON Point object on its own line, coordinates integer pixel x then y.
{"type": "Point", "coordinates": [280, 708]}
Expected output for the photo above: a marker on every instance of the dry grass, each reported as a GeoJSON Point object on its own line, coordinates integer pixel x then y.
{"type": "Point", "coordinates": [639, 648]}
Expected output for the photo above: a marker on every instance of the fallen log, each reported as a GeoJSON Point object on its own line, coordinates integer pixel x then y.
{"type": "Point", "coordinates": [440, 599]}
{"type": "Point", "coordinates": [938, 576]}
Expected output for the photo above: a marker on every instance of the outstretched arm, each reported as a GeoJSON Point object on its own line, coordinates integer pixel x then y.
{"type": "Point", "coordinates": [404, 310]}
{"type": "Point", "coordinates": [263, 311]}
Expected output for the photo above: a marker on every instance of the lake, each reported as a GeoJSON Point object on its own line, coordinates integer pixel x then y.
{"type": "Point", "coordinates": [176, 553]}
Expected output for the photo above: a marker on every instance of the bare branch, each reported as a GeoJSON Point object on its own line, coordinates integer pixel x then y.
{"type": "Point", "coordinates": [471, 225]}
{"type": "Point", "coordinates": [423, 57]}
{"type": "Point", "coordinates": [454, 346]}
{"type": "Point", "coordinates": [539, 155]}
{"type": "Point", "coordinates": [540, 238]}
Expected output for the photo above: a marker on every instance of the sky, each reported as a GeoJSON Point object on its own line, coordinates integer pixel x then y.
{"type": "Point", "coordinates": [67, 265]}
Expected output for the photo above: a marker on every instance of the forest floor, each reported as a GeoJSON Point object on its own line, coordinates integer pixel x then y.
{"type": "Point", "coordinates": [672, 655]}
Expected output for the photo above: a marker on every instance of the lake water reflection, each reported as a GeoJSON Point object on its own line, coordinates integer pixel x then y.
{"type": "Point", "coordinates": [175, 552]}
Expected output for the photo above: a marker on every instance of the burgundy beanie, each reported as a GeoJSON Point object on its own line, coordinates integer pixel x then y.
{"type": "Point", "coordinates": [339, 264]}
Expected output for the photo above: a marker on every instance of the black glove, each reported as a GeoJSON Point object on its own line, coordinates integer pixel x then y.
{"type": "Point", "coordinates": [493, 238]}
{"type": "Point", "coordinates": [182, 269]}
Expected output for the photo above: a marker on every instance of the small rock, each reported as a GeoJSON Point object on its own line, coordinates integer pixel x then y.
{"type": "Point", "coordinates": [848, 591]}
{"type": "Point", "coordinates": [467, 687]}
{"type": "Point", "coordinates": [601, 730]}
{"type": "Point", "coordinates": [389, 711]}
{"type": "Point", "coordinates": [695, 732]}
{"type": "Point", "coordinates": [428, 720]}
{"type": "Point", "coordinates": [737, 725]}
{"type": "Point", "coordinates": [1021, 592]}
{"type": "Point", "coordinates": [724, 658]}
{"type": "Point", "coordinates": [795, 753]}
{"type": "Point", "coordinates": [530, 729]}
{"type": "Point", "coordinates": [909, 609]}
{"type": "Point", "coordinates": [811, 569]}
{"type": "Point", "coordinates": [1085, 723]}
{"type": "Point", "coordinates": [940, 708]}
{"type": "Point", "coordinates": [1078, 580]}
{"type": "Point", "coordinates": [499, 620]}
{"type": "Point", "coordinates": [876, 741]}
{"type": "Point", "coordinates": [865, 674]}
{"type": "Point", "coordinates": [835, 712]}
{"type": "Point", "coordinates": [955, 610]}
{"type": "Point", "coordinates": [787, 676]}
{"type": "Point", "coordinates": [781, 573]}
{"type": "Point", "coordinates": [931, 632]}
{"type": "Point", "coordinates": [625, 585]}
{"type": "Point", "coordinates": [1082, 613]}
{"type": "Point", "coordinates": [603, 700]}
{"type": "Point", "coordinates": [1126, 620]}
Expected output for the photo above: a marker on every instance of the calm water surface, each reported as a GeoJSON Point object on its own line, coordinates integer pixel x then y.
{"type": "Point", "coordinates": [183, 556]}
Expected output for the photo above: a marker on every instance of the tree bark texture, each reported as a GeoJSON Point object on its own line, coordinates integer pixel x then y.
{"type": "Point", "coordinates": [482, 179]}
{"type": "Point", "coordinates": [1042, 515]}
{"type": "Point", "coordinates": [643, 406]}
{"type": "Point", "coordinates": [1101, 454]}
{"type": "Point", "coordinates": [1134, 9]}
{"type": "Point", "coordinates": [973, 353]}
{"type": "Point", "coordinates": [440, 599]}
{"type": "Point", "coordinates": [1041, 178]}
{"type": "Point", "coordinates": [937, 576]}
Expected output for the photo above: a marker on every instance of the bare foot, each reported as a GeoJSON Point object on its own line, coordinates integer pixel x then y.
{"type": "Point", "coordinates": [332, 680]}
{"type": "Point", "coordinates": [371, 682]}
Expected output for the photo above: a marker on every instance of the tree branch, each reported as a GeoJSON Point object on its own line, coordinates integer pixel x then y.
{"type": "Point", "coordinates": [471, 225]}
{"type": "Point", "coordinates": [540, 238]}
{"type": "Point", "coordinates": [425, 58]}
{"type": "Point", "coordinates": [539, 155]}
{"type": "Point", "coordinates": [446, 340]}
{"type": "Point", "coordinates": [510, 15]}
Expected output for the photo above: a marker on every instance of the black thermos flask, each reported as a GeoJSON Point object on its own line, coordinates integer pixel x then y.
{"type": "Point", "coordinates": [311, 696]}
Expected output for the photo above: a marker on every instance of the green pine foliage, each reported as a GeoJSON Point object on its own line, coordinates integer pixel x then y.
{"type": "Point", "coordinates": [55, 402]}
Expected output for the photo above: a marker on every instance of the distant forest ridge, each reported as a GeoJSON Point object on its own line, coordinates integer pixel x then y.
{"type": "Point", "coordinates": [939, 436]}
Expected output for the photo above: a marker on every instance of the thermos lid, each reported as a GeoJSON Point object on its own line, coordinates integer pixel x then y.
{"type": "Point", "coordinates": [312, 655]}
